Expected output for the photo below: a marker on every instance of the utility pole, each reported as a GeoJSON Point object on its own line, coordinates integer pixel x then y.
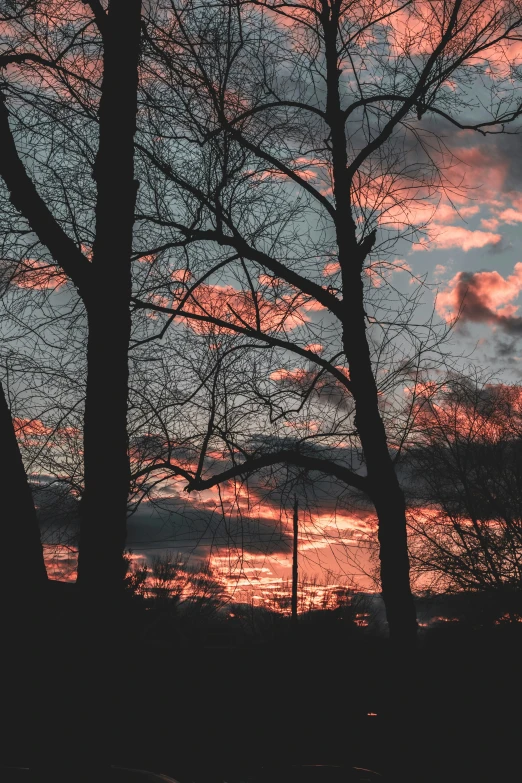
{"type": "Point", "coordinates": [294, 562]}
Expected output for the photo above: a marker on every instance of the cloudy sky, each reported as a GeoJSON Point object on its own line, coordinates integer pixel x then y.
{"type": "Point", "coordinates": [472, 252]}
{"type": "Point", "coordinates": [467, 262]}
{"type": "Point", "coordinates": [470, 259]}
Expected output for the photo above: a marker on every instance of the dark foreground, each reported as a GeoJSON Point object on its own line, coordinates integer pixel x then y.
{"type": "Point", "coordinates": [218, 711]}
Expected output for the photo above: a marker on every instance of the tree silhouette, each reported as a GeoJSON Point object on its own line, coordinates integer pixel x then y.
{"type": "Point", "coordinates": [465, 512]}
{"type": "Point", "coordinates": [103, 282]}
{"type": "Point", "coordinates": [301, 168]}
{"type": "Point", "coordinates": [21, 534]}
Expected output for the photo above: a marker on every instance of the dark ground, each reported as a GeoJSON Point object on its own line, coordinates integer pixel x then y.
{"type": "Point", "coordinates": [217, 715]}
{"type": "Point", "coordinates": [208, 713]}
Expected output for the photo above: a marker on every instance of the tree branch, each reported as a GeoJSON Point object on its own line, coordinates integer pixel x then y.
{"type": "Point", "coordinates": [29, 57]}
{"type": "Point", "coordinates": [284, 169]}
{"type": "Point", "coordinates": [410, 100]}
{"type": "Point", "coordinates": [26, 199]}
{"type": "Point", "coordinates": [479, 127]}
{"type": "Point", "coordinates": [402, 98]}
{"type": "Point", "coordinates": [163, 465]}
{"type": "Point", "coordinates": [264, 107]}
{"type": "Point", "coordinates": [255, 334]}
{"type": "Point", "coordinates": [99, 14]}
{"type": "Point", "coordinates": [245, 250]}
{"type": "Point", "coordinates": [290, 456]}
{"type": "Point", "coordinates": [242, 247]}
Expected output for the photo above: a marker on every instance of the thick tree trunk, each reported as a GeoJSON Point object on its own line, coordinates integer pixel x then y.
{"type": "Point", "coordinates": [385, 490]}
{"type": "Point", "coordinates": [23, 562]}
{"type": "Point", "coordinates": [23, 593]}
{"type": "Point", "coordinates": [103, 510]}
{"type": "Point", "coordinates": [104, 504]}
{"type": "Point", "coordinates": [106, 462]}
{"type": "Point", "coordinates": [88, 636]}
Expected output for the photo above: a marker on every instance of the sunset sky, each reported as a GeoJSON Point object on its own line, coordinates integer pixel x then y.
{"type": "Point", "coordinates": [464, 259]}
{"type": "Point", "coordinates": [469, 259]}
{"type": "Point", "coordinates": [261, 306]}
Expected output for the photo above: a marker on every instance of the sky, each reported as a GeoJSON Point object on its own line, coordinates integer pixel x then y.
{"type": "Point", "coordinates": [473, 258]}
{"type": "Point", "coordinates": [466, 262]}
{"type": "Point", "coordinates": [470, 263]}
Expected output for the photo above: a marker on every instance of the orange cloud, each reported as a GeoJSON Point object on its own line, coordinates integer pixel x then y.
{"type": "Point", "coordinates": [182, 275]}
{"type": "Point", "coordinates": [38, 275]}
{"type": "Point", "coordinates": [331, 269]}
{"type": "Point", "coordinates": [61, 562]}
{"type": "Point", "coordinates": [459, 415]}
{"type": "Point", "coordinates": [313, 305]}
{"type": "Point", "coordinates": [238, 307]}
{"type": "Point", "coordinates": [422, 212]}
{"type": "Point", "coordinates": [490, 223]}
{"type": "Point", "coordinates": [30, 427]}
{"type": "Point", "coordinates": [298, 375]}
{"type": "Point", "coordinates": [511, 216]}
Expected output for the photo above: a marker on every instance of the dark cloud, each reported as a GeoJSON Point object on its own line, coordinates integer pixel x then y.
{"type": "Point", "coordinates": [508, 148]}
{"type": "Point", "coordinates": [498, 248]}
{"type": "Point", "coordinates": [193, 524]}
{"type": "Point", "coordinates": [484, 297]}
{"type": "Point", "coordinates": [191, 527]}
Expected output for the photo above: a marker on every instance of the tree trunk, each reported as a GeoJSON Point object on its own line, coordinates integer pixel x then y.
{"type": "Point", "coordinates": [104, 504]}
{"type": "Point", "coordinates": [385, 490]}
{"type": "Point", "coordinates": [24, 567]}
{"type": "Point", "coordinates": [23, 593]}
{"type": "Point", "coordinates": [106, 463]}
{"type": "Point", "coordinates": [88, 636]}
{"type": "Point", "coordinates": [103, 510]}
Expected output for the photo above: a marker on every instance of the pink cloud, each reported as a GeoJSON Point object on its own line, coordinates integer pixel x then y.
{"type": "Point", "coordinates": [457, 236]}
{"type": "Point", "coordinates": [422, 213]}
{"type": "Point", "coordinates": [182, 275]}
{"type": "Point", "coordinates": [38, 275]}
{"type": "Point", "coordinates": [298, 375]}
{"type": "Point", "coordinates": [479, 173]}
{"type": "Point", "coordinates": [30, 427]}
{"type": "Point", "coordinates": [237, 307]}
{"type": "Point", "coordinates": [313, 305]}
{"type": "Point", "coordinates": [446, 213]}
{"type": "Point", "coordinates": [511, 216]}
{"type": "Point", "coordinates": [490, 223]}
{"type": "Point", "coordinates": [148, 259]}
{"type": "Point", "coordinates": [331, 269]}
{"type": "Point", "coordinates": [440, 270]}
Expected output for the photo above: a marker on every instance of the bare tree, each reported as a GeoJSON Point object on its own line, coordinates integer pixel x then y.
{"type": "Point", "coordinates": [41, 42]}
{"type": "Point", "coordinates": [68, 106]}
{"type": "Point", "coordinates": [299, 170]}
{"type": "Point", "coordinates": [302, 167]}
{"type": "Point", "coordinates": [466, 487]}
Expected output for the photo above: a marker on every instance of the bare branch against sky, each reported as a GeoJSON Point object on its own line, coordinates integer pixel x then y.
{"type": "Point", "coordinates": [219, 201]}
